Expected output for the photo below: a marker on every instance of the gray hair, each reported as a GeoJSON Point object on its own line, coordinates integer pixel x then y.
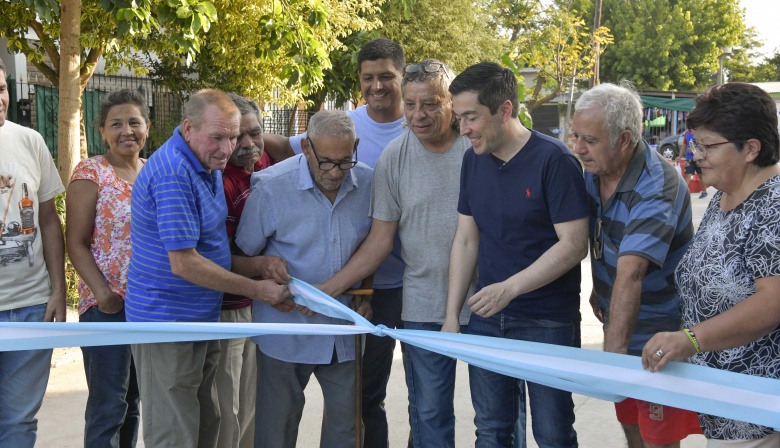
{"type": "Point", "coordinates": [246, 106]}
{"type": "Point", "coordinates": [621, 106]}
{"type": "Point", "coordinates": [444, 76]}
{"type": "Point", "coordinates": [2, 67]}
{"type": "Point", "coordinates": [332, 123]}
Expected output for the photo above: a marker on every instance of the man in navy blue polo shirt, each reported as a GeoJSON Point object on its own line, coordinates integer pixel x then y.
{"type": "Point", "coordinates": [641, 227]}
{"type": "Point", "coordinates": [522, 218]}
{"type": "Point", "coordinates": [180, 266]}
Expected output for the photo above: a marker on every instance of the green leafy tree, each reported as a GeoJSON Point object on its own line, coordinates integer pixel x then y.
{"type": "Point", "coordinates": [553, 38]}
{"type": "Point", "coordinates": [425, 29]}
{"type": "Point", "coordinates": [669, 44]}
{"type": "Point", "coordinates": [457, 32]}
{"type": "Point", "coordinates": [111, 29]}
{"type": "Point", "coordinates": [769, 69]}
{"type": "Point", "coordinates": [269, 50]}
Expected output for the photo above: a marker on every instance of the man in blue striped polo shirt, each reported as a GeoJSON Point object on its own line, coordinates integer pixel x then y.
{"type": "Point", "coordinates": [640, 227]}
{"type": "Point", "coordinates": [180, 266]}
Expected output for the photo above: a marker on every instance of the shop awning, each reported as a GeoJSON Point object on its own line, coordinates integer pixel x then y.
{"type": "Point", "coordinates": [681, 104]}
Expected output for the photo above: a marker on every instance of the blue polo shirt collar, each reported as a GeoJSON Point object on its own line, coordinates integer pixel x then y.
{"type": "Point", "coordinates": [189, 154]}
{"type": "Point", "coordinates": [634, 170]}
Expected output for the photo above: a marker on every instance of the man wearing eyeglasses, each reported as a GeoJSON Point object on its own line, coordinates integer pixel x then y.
{"type": "Point", "coordinates": [311, 211]}
{"type": "Point", "coordinates": [380, 69]}
{"type": "Point", "coordinates": [641, 226]}
{"type": "Point", "coordinates": [415, 192]}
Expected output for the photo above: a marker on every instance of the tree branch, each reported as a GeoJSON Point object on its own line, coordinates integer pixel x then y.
{"type": "Point", "coordinates": [48, 44]}
{"type": "Point", "coordinates": [89, 65]}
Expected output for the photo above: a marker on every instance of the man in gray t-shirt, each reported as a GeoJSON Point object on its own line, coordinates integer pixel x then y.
{"type": "Point", "coordinates": [415, 191]}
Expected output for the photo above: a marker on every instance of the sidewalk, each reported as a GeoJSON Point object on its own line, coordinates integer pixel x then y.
{"type": "Point", "coordinates": [61, 418]}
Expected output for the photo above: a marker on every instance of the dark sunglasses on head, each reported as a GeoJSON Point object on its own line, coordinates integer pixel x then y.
{"type": "Point", "coordinates": [428, 67]}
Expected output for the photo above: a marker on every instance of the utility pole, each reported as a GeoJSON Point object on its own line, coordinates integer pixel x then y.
{"type": "Point", "coordinates": [594, 80]}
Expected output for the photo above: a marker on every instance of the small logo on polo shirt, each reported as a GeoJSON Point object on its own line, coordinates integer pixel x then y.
{"type": "Point", "coordinates": [528, 192]}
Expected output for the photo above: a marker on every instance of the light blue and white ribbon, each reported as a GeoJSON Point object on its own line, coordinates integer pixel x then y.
{"type": "Point", "coordinates": [606, 376]}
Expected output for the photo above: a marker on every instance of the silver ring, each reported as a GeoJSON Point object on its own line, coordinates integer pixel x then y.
{"type": "Point", "coordinates": [659, 353]}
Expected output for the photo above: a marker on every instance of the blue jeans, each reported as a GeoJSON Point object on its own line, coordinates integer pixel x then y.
{"type": "Point", "coordinates": [430, 378]}
{"type": "Point", "coordinates": [377, 362]}
{"type": "Point", "coordinates": [498, 399]}
{"type": "Point", "coordinates": [23, 378]}
{"type": "Point", "coordinates": [112, 416]}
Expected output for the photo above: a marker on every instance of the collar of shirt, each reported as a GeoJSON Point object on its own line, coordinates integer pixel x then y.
{"type": "Point", "coordinates": [635, 167]}
{"type": "Point", "coordinates": [189, 155]}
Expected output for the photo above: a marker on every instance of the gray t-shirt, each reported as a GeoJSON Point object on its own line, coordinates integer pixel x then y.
{"type": "Point", "coordinates": [419, 189]}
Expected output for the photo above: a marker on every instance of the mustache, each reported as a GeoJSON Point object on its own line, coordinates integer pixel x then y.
{"type": "Point", "coordinates": [247, 151]}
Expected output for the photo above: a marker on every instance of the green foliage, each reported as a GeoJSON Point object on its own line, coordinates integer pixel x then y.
{"type": "Point", "coordinates": [259, 47]}
{"type": "Point", "coordinates": [669, 44]}
{"type": "Point", "coordinates": [112, 29]}
{"type": "Point", "coordinates": [768, 70]}
{"type": "Point", "coordinates": [71, 277]}
{"type": "Point", "coordinates": [742, 65]}
{"type": "Point", "coordinates": [523, 113]}
{"type": "Point", "coordinates": [553, 38]}
{"type": "Point", "coordinates": [457, 32]}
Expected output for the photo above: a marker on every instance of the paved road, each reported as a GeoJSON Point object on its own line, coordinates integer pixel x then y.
{"type": "Point", "coordinates": [62, 414]}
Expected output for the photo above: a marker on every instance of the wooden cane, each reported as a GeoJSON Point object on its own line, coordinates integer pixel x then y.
{"type": "Point", "coordinates": [358, 368]}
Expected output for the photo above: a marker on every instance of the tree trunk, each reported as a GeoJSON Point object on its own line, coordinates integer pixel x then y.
{"type": "Point", "coordinates": [69, 128]}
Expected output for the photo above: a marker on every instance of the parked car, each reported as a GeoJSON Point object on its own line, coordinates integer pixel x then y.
{"type": "Point", "coordinates": [669, 147]}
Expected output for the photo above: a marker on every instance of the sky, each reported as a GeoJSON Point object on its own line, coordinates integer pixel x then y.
{"type": "Point", "coordinates": [761, 15]}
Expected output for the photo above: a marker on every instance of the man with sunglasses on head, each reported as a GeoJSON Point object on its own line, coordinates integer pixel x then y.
{"type": "Point", "coordinates": [309, 210]}
{"type": "Point", "coordinates": [380, 69]}
{"type": "Point", "coordinates": [640, 227]}
{"type": "Point", "coordinates": [415, 193]}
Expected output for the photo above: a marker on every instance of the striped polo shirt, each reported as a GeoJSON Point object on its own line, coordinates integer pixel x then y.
{"type": "Point", "coordinates": [649, 216]}
{"type": "Point", "coordinates": [176, 204]}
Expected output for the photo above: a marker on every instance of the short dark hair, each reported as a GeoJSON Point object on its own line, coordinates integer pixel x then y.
{"type": "Point", "coordinates": [492, 83]}
{"type": "Point", "coordinates": [739, 112]}
{"type": "Point", "coordinates": [246, 106]}
{"type": "Point", "coordinates": [124, 96]}
{"type": "Point", "coordinates": [381, 48]}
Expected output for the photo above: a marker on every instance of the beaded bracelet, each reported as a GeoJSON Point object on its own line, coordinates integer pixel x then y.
{"type": "Point", "coordinates": [693, 339]}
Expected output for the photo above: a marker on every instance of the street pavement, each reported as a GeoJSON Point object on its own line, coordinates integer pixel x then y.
{"type": "Point", "coordinates": [61, 418]}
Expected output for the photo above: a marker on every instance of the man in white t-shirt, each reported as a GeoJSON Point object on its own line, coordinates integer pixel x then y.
{"type": "Point", "coordinates": [380, 68]}
{"type": "Point", "coordinates": [415, 193]}
{"type": "Point", "coordinates": [32, 274]}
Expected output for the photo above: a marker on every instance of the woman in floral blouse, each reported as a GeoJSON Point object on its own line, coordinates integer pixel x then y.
{"type": "Point", "coordinates": [98, 236]}
{"type": "Point", "coordinates": [730, 276]}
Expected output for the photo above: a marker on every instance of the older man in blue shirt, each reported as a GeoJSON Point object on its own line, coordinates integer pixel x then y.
{"type": "Point", "coordinates": [312, 211]}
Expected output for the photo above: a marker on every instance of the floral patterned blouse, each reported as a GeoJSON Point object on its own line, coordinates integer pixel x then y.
{"type": "Point", "coordinates": [110, 243]}
{"type": "Point", "coordinates": [730, 251]}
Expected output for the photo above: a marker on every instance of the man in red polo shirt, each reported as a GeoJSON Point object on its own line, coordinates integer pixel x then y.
{"type": "Point", "coordinates": [237, 370]}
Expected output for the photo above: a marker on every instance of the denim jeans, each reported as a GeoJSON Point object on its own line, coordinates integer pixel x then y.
{"type": "Point", "coordinates": [112, 416]}
{"type": "Point", "coordinates": [24, 375]}
{"type": "Point", "coordinates": [430, 379]}
{"type": "Point", "coordinates": [377, 362]}
{"type": "Point", "coordinates": [497, 398]}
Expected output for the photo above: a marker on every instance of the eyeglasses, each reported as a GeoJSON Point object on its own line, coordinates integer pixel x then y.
{"type": "Point", "coordinates": [428, 67]}
{"type": "Point", "coordinates": [327, 165]}
{"type": "Point", "coordinates": [705, 149]}
{"type": "Point", "coordinates": [598, 245]}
